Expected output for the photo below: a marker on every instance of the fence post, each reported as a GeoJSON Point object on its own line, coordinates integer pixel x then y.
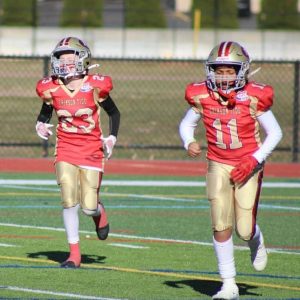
{"type": "Point", "coordinates": [295, 147]}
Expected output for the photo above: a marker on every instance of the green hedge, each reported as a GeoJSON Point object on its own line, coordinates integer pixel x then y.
{"type": "Point", "coordinates": [216, 13]}
{"type": "Point", "coordinates": [144, 14]}
{"type": "Point", "coordinates": [79, 13]}
{"type": "Point", "coordinates": [18, 13]}
{"type": "Point", "coordinates": [279, 14]}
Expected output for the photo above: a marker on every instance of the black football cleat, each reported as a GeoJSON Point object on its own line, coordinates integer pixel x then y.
{"type": "Point", "coordinates": [102, 226]}
{"type": "Point", "coordinates": [102, 232]}
{"type": "Point", "coordinates": [68, 264]}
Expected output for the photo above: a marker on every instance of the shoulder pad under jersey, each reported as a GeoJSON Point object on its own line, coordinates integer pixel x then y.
{"type": "Point", "coordinates": [44, 85]}
{"type": "Point", "coordinates": [263, 92]}
{"type": "Point", "coordinates": [195, 89]}
{"type": "Point", "coordinates": [101, 82]}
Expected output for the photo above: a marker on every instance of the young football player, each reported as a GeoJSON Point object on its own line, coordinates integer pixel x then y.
{"type": "Point", "coordinates": [77, 99]}
{"type": "Point", "coordinates": [232, 109]}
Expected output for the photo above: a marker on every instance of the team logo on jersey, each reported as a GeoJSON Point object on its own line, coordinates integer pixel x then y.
{"type": "Point", "coordinates": [242, 96]}
{"type": "Point", "coordinates": [85, 88]}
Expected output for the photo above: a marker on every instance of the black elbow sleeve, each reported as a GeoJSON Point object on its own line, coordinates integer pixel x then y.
{"type": "Point", "coordinates": [114, 115]}
{"type": "Point", "coordinates": [45, 113]}
{"type": "Point", "coordinates": [114, 123]}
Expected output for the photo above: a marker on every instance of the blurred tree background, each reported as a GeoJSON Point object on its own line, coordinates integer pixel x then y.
{"type": "Point", "coordinates": [225, 14]}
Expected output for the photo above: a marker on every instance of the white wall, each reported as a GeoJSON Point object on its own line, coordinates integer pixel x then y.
{"type": "Point", "coordinates": [138, 43]}
{"type": "Point", "coordinates": [183, 5]}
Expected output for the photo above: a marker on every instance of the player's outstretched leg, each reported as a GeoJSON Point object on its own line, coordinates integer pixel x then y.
{"type": "Point", "coordinates": [74, 258]}
{"type": "Point", "coordinates": [102, 225]}
{"type": "Point", "coordinates": [258, 252]}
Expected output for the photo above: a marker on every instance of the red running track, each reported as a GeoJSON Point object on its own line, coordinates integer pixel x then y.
{"type": "Point", "coordinates": [143, 167]}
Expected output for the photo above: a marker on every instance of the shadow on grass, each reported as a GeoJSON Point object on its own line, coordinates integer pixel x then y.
{"type": "Point", "coordinates": [210, 287]}
{"type": "Point", "coordinates": [61, 256]}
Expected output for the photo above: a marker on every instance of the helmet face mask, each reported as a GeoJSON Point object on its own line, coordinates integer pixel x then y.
{"type": "Point", "coordinates": [65, 68]}
{"type": "Point", "coordinates": [225, 77]}
{"type": "Point", "coordinates": [231, 55]}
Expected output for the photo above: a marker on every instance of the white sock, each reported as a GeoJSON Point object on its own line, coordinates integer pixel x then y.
{"type": "Point", "coordinates": [71, 221]}
{"type": "Point", "coordinates": [225, 258]}
{"type": "Point", "coordinates": [229, 281]}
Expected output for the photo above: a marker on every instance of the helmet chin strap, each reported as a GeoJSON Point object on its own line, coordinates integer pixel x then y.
{"type": "Point", "coordinates": [228, 98]}
{"type": "Point", "coordinates": [254, 72]}
{"type": "Point", "coordinates": [225, 88]}
{"type": "Point", "coordinates": [70, 75]}
{"type": "Point", "coordinates": [93, 66]}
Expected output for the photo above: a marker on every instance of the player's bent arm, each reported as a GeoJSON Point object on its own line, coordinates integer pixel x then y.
{"type": "Point", "coordinates": [187, 127]}
{"type": "Point", "coordinates": [45, 114]}
{"type": "Point", "coordinates": [273, 135]}
{"type": "Point", "coordinates": [114, 123]}
{"type": "Point", "coordinates": [42, 128]}
{"type": "Point", "coordinates": [114, 115]}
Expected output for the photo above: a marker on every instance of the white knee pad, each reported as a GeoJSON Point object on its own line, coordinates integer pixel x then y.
{"type": "Point", "coordinates": [89, 212]}
{"type": "Point", "coordinates": [244, 233]}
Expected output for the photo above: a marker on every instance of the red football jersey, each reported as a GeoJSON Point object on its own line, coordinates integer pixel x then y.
{"type": "Point", "coordinates": [78, 130]}
{"type": "Point", "coordinates": [231, 133]}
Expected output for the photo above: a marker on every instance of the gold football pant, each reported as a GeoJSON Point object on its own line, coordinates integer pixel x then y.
{"type": "Point", "coordinates": [78, 186]}
{"type": "Point", "coordinates": [232, 204]}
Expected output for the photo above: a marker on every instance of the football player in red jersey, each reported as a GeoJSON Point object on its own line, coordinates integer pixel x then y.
{"type": "Point", "coordinates": [232, 110]}
{"type": "Point", "coordinates": [80, 152]}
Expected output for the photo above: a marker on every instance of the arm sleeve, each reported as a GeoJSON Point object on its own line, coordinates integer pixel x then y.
{"type": "Point", "coordinates": [114, 115]}
{"type": "Point", "coordinates": [273, 135]}
{"type": "Point", "coordinates": [187, 127]}
{"type": "Point", "coordinates": [45, 113]}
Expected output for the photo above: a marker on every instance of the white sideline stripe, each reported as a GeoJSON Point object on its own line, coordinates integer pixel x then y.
{"type": "Point", "coordinates": [169, 183]}
{"type": "Point", "coordinates": [19, 289]}
{"type": "Point", "coordinates": [128, 246]}
{"type": "Point", "coordinates": [273, 250]}
{"type": "Point", "coordinates": [7, 245]}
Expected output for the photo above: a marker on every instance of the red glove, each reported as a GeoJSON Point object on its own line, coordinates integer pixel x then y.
{"type": "Point", "coordinates": [230, 98]}
{"type": "Point", "coordinates": [243, 169]}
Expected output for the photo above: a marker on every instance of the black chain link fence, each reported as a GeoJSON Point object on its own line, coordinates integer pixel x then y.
{"type": "Point", "coordinates": [150, 96]}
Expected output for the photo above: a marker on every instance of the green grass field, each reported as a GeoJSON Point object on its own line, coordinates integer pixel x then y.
{"type": "Point", "coordinates": [159, 246]}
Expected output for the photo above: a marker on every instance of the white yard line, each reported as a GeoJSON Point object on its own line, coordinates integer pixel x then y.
{"type": "Point", "coordinates": [26, 290]}
{"type": "Point", "coordinates": [7, 245]}
{"type": "Point", "coordinates": [127, 246]}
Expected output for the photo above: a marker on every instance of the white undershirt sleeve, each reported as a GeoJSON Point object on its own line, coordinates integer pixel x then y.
{"type": "Point", "coordinates": [187, 127]}
{"type": "Point", "coordinates": [273, 135]}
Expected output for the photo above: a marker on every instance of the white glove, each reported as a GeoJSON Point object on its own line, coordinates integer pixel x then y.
{"type": "Point", "coordinates": [108, 145]}
{"type": "Point", "coordinates": [42, 130]}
